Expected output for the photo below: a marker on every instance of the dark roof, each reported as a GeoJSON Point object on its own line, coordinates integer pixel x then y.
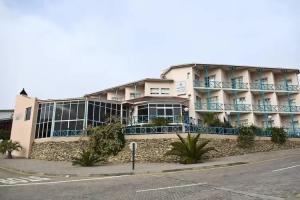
{"type": "Point", "coordinates": [139, 82]}
{"type": "Point", "coordinates": [23, 92]}
{"type": "Point", "coordinates": [225, 66]}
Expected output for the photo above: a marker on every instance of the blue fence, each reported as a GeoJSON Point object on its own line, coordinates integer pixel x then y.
{"type": "Point", "coordinates": [137, 130]}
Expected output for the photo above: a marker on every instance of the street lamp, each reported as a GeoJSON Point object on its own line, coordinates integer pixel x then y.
{"type": "Point", "coordinates": [186, 110]}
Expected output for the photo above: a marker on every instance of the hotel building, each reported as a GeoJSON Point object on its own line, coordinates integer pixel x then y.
{"type": "Point", "coordinates": [242, 95]}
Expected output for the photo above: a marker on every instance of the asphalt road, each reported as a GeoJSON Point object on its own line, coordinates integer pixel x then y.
{"type": "Point", "coordinates": [270, 179]}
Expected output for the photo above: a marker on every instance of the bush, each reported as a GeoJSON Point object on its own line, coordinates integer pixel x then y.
{"type": "Point", "coordinates": [8, 146]}
{"type": "Point", "coordinates": [87, 158]}
{"type": "Point", "coordinates": [189, 150]}
{"type": "Point", "coordinates": [159, 121]}
{"type": "Point", "coordinates": [4, 134]}
{"type": "Point", "coordinates": [279, 136]}
{"type": "Point", "coordinates": [106, 140]}
{"type": "Point", "coordinates": [246, 137]}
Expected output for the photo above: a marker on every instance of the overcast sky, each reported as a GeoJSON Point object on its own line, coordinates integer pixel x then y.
{"type": "Point", "coordinates": [67, 48]}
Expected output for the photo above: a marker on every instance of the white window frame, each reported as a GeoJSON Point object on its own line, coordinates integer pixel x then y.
{"type": "Point", "coordinates": [165, 91]}
{"type": "Point", "coordinates": [154, 93]}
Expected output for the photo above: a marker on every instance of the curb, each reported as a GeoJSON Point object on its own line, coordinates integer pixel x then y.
{"type": "Point", "coordinates": [122, 173]}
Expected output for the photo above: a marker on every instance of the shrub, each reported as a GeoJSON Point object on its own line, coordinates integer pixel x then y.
{"type": "Point", "coordinates": [87, 158]}
{"type": "Point", "coordinates": [4, 134]}
{"type": "Point", "coordinates": [106, 140]}
{"type": "Point", "coordinates": [246, 137]}
{"type": "Point", "coordinates": [9, 146]}
{"type": "Point", "coordinates": [279, 136]}
{"type": "Point", "coordinates": [189, 150]}
{"type": "Point", "coordinates": [159, 121]}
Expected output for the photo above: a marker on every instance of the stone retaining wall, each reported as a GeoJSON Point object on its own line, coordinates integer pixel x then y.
{"type": "Point", "coordinates": [150, 150]}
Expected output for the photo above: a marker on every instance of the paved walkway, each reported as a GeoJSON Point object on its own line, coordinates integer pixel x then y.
{"type": "Point", "coordinates": [53, 168]}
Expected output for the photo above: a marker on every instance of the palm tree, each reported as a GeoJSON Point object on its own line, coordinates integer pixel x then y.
{"type": "Point", "coordinates": [9, 146]}
{"type": "Point", "coordinates": [87, 158]}
{"type": "Point", "coordinates": [189, 150]}
{"type": "Point", "coordinates": [209, 118]}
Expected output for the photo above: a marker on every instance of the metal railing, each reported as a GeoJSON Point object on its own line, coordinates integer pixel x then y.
{"type": "Point", "coordinates": [259, 86]}
{"type": "Point", "coordinates": [284, 87]}
{"type": "Point", "coordinates": [235, 85]}
{"type": "Point", "coordinates": [287, 108]}
{"type": "Point", "coordinates": [238, 107]}
{"type": "Point", "coordinates": [208, 106]}
{"type": "Point", "coordinates": [140, 119]}
{"type": "Point", "coordinates": [152, 130]}
{"type": "Point", "coordinates": [67, 133]}
{"type": "Point", "coordinates": [264, 108]}
{"type": "Point", "coordinates": [207, 84]}
{"type": "Point", "coordinates": [140, 130]}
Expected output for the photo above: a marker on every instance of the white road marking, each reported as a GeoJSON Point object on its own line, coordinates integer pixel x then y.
{"type": "Point", "coordinates": [277, 170]}
{"type": "Point", "coordinates": [67, 181]}
{"type": "Point", "coordinates": [171, 187]}
{"type": "Point", "coordinates": [11, 181]}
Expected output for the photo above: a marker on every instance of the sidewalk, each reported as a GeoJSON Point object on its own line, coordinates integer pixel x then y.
{"type": "Point", "coordinates": [54, 168]}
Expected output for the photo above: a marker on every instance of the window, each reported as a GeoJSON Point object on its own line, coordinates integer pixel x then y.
{"type": "Point", "coordinates": [154, 90]}
{"type": "Point", "coordinates": [188, 75]}
{"type": "Point", "coordinates": [27, 113]}
{"type": "Point", "coordinates": [165, 91]}
{"type": "Point", "coordinates": [134, 95]}
{"type": "Point", "coordinates": [240, 100]}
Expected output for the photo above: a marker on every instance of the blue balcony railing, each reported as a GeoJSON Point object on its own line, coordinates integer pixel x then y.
{"type": "Point", "coordinates": [264, 108]}
{"type": "Point", "coordinates": [238, 107]}
{"type": "Point", "coordinates": [283, 87]}
{"type": "Point", "coordinates": [287, 108]}
{"type": "Point", "coordinates": [207, 84]}
{"type": "Point", "coordinates": [67, 133]}
{"type": "Point", "coordinates": [259, 86]}
{"type": "Point", "coordinates": [209, 106]}
{"type": "Point", "coordinates": [234, 85]}
{"type": "Point", "coordinates": [152, 130]}
{"type": "Point", "coordinates": [140, 119]}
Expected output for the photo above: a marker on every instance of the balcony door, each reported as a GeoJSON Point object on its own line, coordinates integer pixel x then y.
{"type": "Point", "coordinates": [210, 81]}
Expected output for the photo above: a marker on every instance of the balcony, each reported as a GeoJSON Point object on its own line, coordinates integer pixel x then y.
{"type": "Point", "coordinates": [264, 108]}
{"type": "Point", "coordinates": [145, 119]}
{"type": "Point", "coordinates": [208, 106]}
{"type": "Point", "coordinates": [283, 87]}
{"type": "Point", "coordinates": [238, 107]}
{"type": "Point", "coordinates": [259, 86]}
{"type": "Point", "coordinates": [287, 108]}
{"type": "Point", "coordinates": [207, 84]}
{"type": "Point", "coordinates": [235, 85]}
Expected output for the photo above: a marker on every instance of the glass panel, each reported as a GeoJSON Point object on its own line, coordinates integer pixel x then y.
{"type": "Point", "coordinates": [102, 114]}
{"type": "Point", "coordinates": [44, 130]}
{"type": "Point", "coordinates": [177, 111]}
{"type": "Point", "coordinates": [73, 111]}
{"type": "Point", "coordinates": [58, 111]}
{"type": "Point", "coordinates": [72, 125]}
{"type": "Point", "coordinates": [66, 111]}
{"type": "Point", "coordinates": [96, 112]}
{"type": "Point", "coordinates": [90, 111]}
{"type": "Point", "coordinates": [160, 112]}
{"type": "Point", "coordinates": [64, 126]}
{"type": "Point", "coordinates": [51, 112]}
{"type": "Point", "coordinates": [81, 108]}
{"type": "Point", "coordinates": [49, 130]}
{"type": "Point", "coordinates": [79, 125]}
{"type": "Point", "coordinates": [169, 111]}
{"type": "Point", "coordinates": [57, 126]}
